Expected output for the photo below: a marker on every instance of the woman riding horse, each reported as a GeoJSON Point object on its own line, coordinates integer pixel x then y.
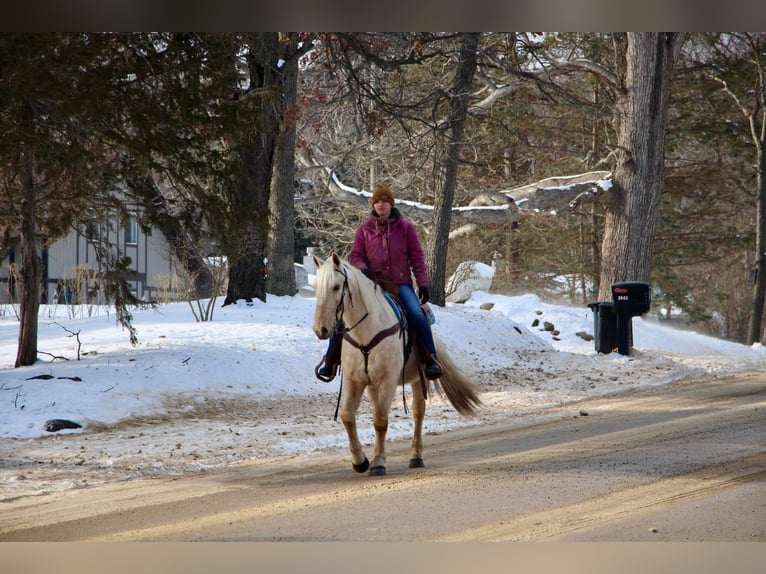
{"type": "Point", "coordinates": [387, 250]}
{"type": "Point", "coordinates": [374, 361]}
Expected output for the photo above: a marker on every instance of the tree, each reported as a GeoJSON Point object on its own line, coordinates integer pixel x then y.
{"type": "Point", "coordinates": [640, 82]}
{"type": "Point", "coordinates": [84, 113]}
{"type": "Point", "coordinates": [31, 269]}
{"type": "Point", "coordinates": [643, 97]}
{"type": "Point", "coordinates": [458, 106]}
{"type": "Point", "coordinates": [281, 250]}
{"type": "Point", "coordinates": [54, 91]}
{"type": "Point", "coordinates": [740, 69]}
{"type": "Point", "coordinates": [642, 109]}
{"type": "Point", "coordinates": [383, 75]}
{"type": "Point", "coordinates": [246, 247]}
{"type": "Point", "coordinates": [705, 232]}
{"type": "Point", "coordinates": [259, 205]}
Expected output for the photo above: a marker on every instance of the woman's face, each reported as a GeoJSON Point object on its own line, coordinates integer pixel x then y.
{"type": "Point", "coordinates": [382, 207]}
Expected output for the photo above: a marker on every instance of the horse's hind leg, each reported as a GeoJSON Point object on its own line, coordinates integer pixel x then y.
{"type": "Point", "coordinates": [351, 399]}
{"type": "Point", "coordinates": [418, 414]}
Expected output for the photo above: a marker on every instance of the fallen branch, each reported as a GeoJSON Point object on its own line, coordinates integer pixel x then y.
{"type": "Point", "coordinates": [4, 388]}
{"type": "Point", "coordinates": [75, 334]}
{"type": "Point", "coordinates": [53, 357]}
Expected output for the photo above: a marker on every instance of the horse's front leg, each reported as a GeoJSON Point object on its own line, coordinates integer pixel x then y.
{"type": "Point", "coordinates": [418, 414]}
{"type": "Point", "coordinates": [381, 397]}
{"type": "Point", "coordinates": [352, 396]}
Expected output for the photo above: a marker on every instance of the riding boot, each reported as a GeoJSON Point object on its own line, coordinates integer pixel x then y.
{"type": "Point", "coordinates": [331, 361]}
{"type": "Point", "coordinates": [431, 366]}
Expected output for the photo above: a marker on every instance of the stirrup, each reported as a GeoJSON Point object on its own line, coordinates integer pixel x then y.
{"type": "Point", "coordinates": [325, 372]}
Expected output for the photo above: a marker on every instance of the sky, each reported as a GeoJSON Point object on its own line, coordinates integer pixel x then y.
{"type": "Point", "coordinates": [193, 395]}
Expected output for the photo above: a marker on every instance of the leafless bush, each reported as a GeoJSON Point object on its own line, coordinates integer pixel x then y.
{"type": "Point", "coordinates": [79, 290]}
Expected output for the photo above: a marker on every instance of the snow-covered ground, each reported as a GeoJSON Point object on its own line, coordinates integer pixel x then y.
{"type": "Point", "coordinates": [195, 395]}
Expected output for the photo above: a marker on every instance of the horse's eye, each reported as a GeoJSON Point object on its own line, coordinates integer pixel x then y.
{"type": "Point", "coordinates": [336, 288]}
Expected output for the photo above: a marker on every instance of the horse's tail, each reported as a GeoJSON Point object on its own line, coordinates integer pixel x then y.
{"type": "Point", "coordinates": [461, 392]}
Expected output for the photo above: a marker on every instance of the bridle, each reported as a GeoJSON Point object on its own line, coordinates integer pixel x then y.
{"type": "Point", "coordinates": [342, 305]}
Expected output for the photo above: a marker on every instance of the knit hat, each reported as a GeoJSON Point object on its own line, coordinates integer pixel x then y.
{"type": "Point", "coordinates": [382, 190]}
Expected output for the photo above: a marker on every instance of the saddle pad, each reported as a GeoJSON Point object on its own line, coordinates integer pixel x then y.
{"type": "Point", "coordinates": [394, 304]}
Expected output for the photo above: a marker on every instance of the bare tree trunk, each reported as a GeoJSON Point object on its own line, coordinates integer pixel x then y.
{"type": "Point", "coordinates": [375, 162]}
{"type": "Point", "coordinates": [639, 174]}
{"type": "Point", "coordinates": [757, 123]}
{"type": "Point", "coordinates": [247, 255]}
{"type": "Point", "coordinates": [438, 243]}
{"type": "Point", "coordinates": [247, 260]}
{"type": "Point", "coordinates": [281, 276]}
{"type": "Point", "coordinates": [247, 273]}
{"type": "Point", "coordinates": [31, 267]}
{"type": "Point", "coordinates": [759, 289]}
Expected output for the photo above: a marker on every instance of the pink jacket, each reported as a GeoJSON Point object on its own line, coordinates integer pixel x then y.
{"type": "Point", "coordinates": [391, 249]}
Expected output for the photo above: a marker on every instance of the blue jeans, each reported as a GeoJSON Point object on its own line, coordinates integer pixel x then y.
{"type": "Point", "coordinates": [416, 317]}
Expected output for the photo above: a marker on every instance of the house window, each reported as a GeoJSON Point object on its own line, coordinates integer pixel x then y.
{"type": "Point", "coordinates": [92, 231]}
{"type": "Point", "coordinates": [131, 231]}
{"type": "Point", "coordinates": [95, 230]}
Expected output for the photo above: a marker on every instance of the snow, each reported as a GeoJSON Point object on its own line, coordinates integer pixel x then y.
{"type": "Point", "coordinates": [197, 395]}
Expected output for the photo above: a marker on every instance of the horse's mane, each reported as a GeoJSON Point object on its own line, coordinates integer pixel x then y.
{"type": "Point", "coordinates": [371, 293]}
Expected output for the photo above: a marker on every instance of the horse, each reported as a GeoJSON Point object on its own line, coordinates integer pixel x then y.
{"type": "Point", "coordinates": [373, 359]}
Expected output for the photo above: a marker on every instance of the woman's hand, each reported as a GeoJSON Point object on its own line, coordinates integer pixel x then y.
{"type": "Point", "coordinates": [369, 274]}
{"type": "Point", "coordinates": [424, 294]}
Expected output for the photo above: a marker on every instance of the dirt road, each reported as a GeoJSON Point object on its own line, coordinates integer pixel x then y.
{"type": "Point", "coordinates": [680, 462]}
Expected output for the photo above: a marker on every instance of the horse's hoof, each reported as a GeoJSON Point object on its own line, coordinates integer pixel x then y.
{"type": "Point", "coordinates": [378, 470]}
{"type": "Point", "coordinates": [416, 463]}
{"type": "Point", "coordinates": [361, 467]}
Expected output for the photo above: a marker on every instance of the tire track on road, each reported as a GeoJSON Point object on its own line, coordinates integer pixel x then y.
{"type": "Point", "coordinates": [551, 524]}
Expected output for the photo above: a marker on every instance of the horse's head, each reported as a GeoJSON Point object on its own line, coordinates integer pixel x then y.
{"type": "Point", "coordinates": [329, 287]}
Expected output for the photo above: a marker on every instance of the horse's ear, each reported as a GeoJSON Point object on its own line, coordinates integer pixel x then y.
{"type": "Point", "coordinates": [336, 260]}
{"type": "Point", "coordinates": [317, 261]}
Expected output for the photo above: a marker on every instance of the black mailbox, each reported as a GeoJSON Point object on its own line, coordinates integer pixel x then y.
{"type": "Point", "coordinates": [631, 298]}
{"type": "Point", "coordinates": [613, 321]}
{"type": "Point", "coordinates": [604, 326]}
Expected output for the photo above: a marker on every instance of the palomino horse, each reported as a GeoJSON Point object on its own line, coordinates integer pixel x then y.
{"type": "Point", "coordinates": [372, 357]}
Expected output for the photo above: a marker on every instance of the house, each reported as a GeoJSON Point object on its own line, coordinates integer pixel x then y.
{"type": "Point", "coordinates": [71, 269]}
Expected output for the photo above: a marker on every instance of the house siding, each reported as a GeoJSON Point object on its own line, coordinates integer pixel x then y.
{"type": "Point", "coordinates": [69, 257]}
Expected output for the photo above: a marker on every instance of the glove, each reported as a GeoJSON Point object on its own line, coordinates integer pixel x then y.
{"type": "Point", "coordinates": [369, 274]}
{"type": "Point", "coordinates": [424, 294]}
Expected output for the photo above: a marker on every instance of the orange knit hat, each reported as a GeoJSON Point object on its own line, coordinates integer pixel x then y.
{"type": "Point", "coordinates": [382, 190]}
